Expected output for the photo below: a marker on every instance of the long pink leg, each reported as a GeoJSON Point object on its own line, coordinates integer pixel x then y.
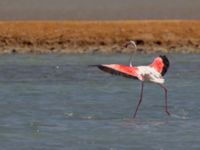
{"type": "Point", "coordinates": [166, 106]}
{"type": "Point", "coordinates": [140, 100]}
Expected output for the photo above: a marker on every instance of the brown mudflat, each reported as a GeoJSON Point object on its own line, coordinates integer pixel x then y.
{"type": "Point", "coordinates": [99, 36]}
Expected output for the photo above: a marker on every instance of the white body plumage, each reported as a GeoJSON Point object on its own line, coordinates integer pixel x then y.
{"type": "Point", "coordinates": [149, 74]}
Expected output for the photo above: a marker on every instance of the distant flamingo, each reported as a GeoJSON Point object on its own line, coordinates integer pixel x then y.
{"type": "Point", "coordinates": [152, 73]}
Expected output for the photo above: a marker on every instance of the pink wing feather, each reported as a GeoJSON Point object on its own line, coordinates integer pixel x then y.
{"type": "Point", "coordinates": [117, 69]}
{"type": "Point", "coordinates": [160, 64]}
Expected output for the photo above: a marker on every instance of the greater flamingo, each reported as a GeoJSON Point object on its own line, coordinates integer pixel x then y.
{"type": "Point", "coordinates": [151, 73]}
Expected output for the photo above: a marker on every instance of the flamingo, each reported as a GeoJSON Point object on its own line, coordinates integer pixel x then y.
{"type": "Point", "coordinates": [153, 73]}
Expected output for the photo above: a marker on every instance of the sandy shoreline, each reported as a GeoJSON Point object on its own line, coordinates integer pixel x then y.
{"type": "Point", "coordinates": [99, 36]}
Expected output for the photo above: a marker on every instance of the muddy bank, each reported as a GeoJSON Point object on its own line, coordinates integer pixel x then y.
{"type": "Point", "coordinates": [93, 36]}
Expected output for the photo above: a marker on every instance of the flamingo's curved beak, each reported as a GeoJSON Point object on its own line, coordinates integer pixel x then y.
{"type": "Point", "coordinates": [126, 44]}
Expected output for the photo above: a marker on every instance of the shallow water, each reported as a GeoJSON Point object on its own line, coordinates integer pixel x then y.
{"type": "Point", "coordinates": [98, 9]}
{"type": "Point", "coordinates": [53, 102]}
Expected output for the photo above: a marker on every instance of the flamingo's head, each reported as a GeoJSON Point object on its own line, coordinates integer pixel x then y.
{"type": "Point", "coordinates": [130, 44]}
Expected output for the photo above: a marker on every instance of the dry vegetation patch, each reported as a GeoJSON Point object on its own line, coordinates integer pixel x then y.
{"type": "Point", "coordinates": [99, 36]}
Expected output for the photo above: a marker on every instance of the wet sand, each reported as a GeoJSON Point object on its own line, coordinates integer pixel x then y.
{"type": "Point", "coordinates": [99, 36]}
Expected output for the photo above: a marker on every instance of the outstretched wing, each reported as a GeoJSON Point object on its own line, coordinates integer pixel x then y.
{"type": "Point", "coordinates": [160, 64]}
{"type": "Point", "coordinates": [116, 69]}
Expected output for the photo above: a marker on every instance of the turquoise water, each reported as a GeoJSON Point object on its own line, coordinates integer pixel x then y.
{"type": "Point", "coordinates": [50, 102]}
